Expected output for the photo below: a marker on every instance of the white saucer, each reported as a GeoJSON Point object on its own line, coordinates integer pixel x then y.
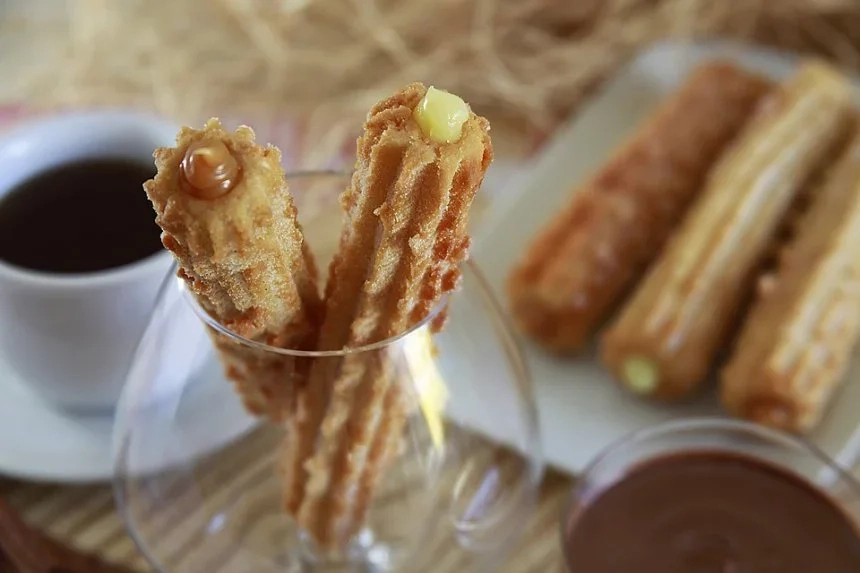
{"type": "Point", "coordinates": [39, 442]}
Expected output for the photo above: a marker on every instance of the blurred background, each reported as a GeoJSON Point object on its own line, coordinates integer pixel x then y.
{"type": "Point", "coordinates": [304, 72]}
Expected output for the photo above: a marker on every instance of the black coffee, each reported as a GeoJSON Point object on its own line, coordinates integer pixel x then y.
{"type": "Point", "coordinates": [80, 217]}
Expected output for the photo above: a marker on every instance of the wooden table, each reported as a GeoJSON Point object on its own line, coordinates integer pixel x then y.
{"type": "Point", "coordinates": [85, 517]}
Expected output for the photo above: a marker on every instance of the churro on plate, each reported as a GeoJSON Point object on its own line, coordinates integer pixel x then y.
{"type": "Point", "coordinates": [590, 254]}
{"type": "Point", "coordinates": [227, 215]}
{"type": "Point", "coordinates": [668, 335]}
{"type": "Point", "coordinates": [798, 340]}
{"type": "Point", "coordinates": [420, 161]}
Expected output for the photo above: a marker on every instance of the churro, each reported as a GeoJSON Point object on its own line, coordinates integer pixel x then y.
{"type": "Point", "coordinates": [587, 257]}
{"type": "Point", "coordinates": [227, 216]}
{"type": "Point", "coordinates": [420, 161]}
{"type": "Point", "coordinates": [797, 342]}
{"type": "Point", "coordinates": [668, 335]}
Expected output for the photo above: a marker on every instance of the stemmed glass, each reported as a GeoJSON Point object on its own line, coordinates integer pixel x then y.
{"type": "Point", "coordinates": [197, 477]}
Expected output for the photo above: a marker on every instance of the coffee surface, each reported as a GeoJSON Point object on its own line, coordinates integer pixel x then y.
{"type": "Point", "coordinates": [80, 217]}
{"type": "Point", "coordinates": [712, 513]}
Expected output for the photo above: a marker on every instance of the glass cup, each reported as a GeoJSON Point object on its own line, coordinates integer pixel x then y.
{"type": "Point", "coordinates": [433, 447]}
{"type": "Point", "coordinates": [718, 435]}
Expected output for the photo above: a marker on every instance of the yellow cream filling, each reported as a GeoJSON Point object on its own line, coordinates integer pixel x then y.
{"type": "Point", "coordinates": [441, 115]}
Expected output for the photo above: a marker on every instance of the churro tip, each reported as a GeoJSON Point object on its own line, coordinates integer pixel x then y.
{"type": "Point", "coordinates": [820, 67]}
{"type": "Point", "coordinates": [640, 375]}
{"type": "Point", "coordinates": [245, 134]}
{"type": "Point", "coordinates": [213, 126]}
{"type": "Point", "coordinates": [818, 71]}
{"type": "Point", "coordinates": [441, 115]}
{"type": "Point", "coordinates": [213, 123]}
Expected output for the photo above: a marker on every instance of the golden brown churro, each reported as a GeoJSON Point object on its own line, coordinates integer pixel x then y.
{"type": "Point", "coordinates": [798, 339]}
{"type": "Point", "coordinates": [588, 256]}
{"type": "Point", "coordinates": [225, 211]}
{"type": "Point", "coordinates": [421, 159]}
{"type": "Point", "coordinates": [667, 336]}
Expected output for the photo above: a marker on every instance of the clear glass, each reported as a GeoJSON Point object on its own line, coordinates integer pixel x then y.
{"type": "Point", "coordinates": [782, 450]}
{"type": "Point", "coordinates": [197, 477]}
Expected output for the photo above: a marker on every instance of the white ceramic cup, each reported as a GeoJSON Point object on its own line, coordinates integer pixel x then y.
{"type": "Point", "coordinates": [70, 337]}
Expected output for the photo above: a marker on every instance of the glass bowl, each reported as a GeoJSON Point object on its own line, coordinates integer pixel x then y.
{"type": "Point", "coordinates": [789, 453]}
{"type": "Point", "coordinates": [453, 460]}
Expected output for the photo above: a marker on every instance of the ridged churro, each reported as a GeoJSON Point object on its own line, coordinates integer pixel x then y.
{"type": "Point", "coordinates": [668, 335]}
{"type": "Point", "coordinates": [227, 216]}
{"type": "Point", "coordinates": [588, 256]}
{"type": "Point", "coordinates": [420, 161]}
{"type": "Point", "coordinates": [798, 340]}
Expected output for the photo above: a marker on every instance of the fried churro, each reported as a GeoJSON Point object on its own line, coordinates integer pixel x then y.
{"type": "Point", "coordinates": [797, 342]}
{"type": "Point", "coordinates": [227, 216]}
{"type": "Point", "coordinates": [420, 161]}
{"type": "Point", "coordinates": [587, 257]}
{"type": "Point", "coordinates": [667, 336]}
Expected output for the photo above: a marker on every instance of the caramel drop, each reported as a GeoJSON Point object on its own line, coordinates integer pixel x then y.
{"type": "Point", "coordinates": [209, 170]}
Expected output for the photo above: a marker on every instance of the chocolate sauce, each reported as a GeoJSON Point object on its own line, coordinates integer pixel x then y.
{"type": "Point", "coordinates": [712, 513]}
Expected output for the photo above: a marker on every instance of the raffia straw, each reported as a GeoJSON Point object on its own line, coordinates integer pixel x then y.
{"type": "Point", "coordinates": [327, 61]}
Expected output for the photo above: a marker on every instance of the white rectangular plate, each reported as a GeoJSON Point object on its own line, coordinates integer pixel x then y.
{"type": "Point", "coordinates": [582, 410]}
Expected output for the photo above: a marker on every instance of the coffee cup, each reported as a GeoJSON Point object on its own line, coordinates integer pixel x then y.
{"type": "Point", "coordinates": [70, 336]}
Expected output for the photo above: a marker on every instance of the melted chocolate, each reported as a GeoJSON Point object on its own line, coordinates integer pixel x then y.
{"type": "Point", "coordinates": [712, 513]}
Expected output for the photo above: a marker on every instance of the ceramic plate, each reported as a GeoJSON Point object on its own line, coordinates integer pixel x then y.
{"type": "Point", "coordinates": [582, 410]}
